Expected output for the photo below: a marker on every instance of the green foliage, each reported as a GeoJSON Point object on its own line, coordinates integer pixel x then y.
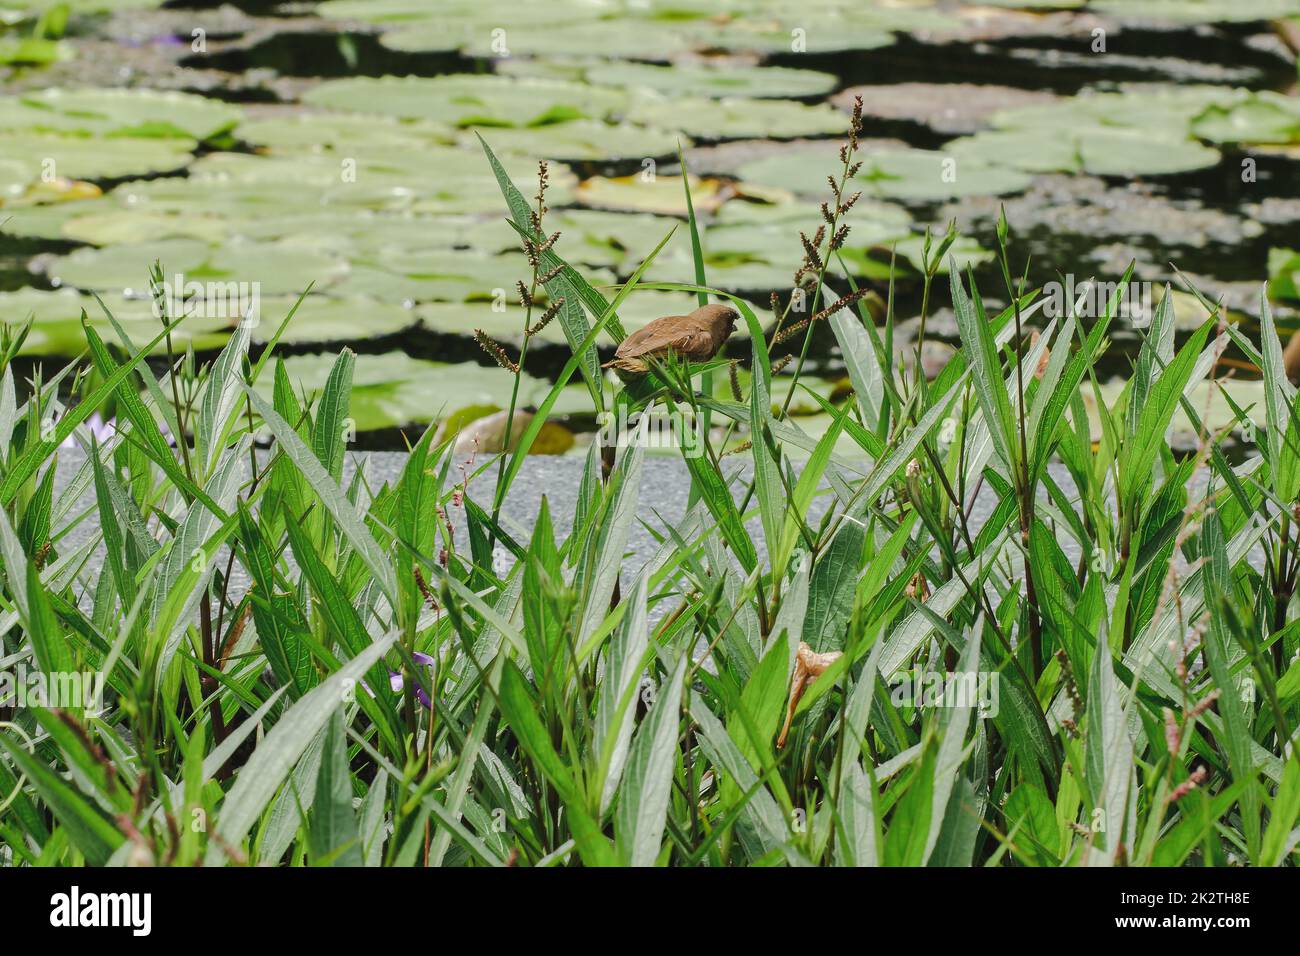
{"type": "Point", "coordinates": [401, 680]}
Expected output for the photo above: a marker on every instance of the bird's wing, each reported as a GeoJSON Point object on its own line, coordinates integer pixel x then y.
{"type": "Point", "coordinates": [680, 344]}
{"type": "Point", "coordinates": [655, 338]}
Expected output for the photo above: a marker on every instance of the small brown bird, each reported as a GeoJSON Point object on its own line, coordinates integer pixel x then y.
{"type": "Point", "coordinates": [695, 338]}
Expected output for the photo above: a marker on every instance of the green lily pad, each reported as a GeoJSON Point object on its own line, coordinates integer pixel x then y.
{"type": "Point", "coordinates": [501, 29]}
{"type": "Point", "coordinates": [470, 100]}
{"type": "Point", "coordinates": [319, 320]}
{"type": "Point", "coordinates": [597, 238]}
{"type": "Point", "coordinates": [738, 118]}
{"type": "Point", "coordinates": [33, 51]}
{"type": "Point", "coordinates": [867, 214]}
{"type": "Point", "coordinates": [56, 328]}
{"type": "Point", "coordinates": [342, 133]}
{"type": "Point", "coordinates": [714, 79]}
{"type": "Point", "coordinates": [135, 217]}
{"type": "Point", "coordinates": [872, 260]}
{"type": "Point", "coordinates": [1260, 118]}
{"type": "Point", "coordinates": [657, 194]}
{"type": "Point", "coordinates": [88, 6]}
{"type": "Point", "coordinates": [454, 23]}
{"type": "Point", "coordinates": [324, 318]}
{"type": "Point", "coordinates": [1100, 152]}
{"type": "Point", "coordinates": [581, 140]}
{"type": "Point", "coordinates": [924, 175]}
{"type": "Point", "coordinates": [1200, 11]}
{"type": "Point", "coordinates": [36, 220]}
{"type": "Point", "coordinates": [761, 257]}
{"type": "Point", "coordinates": [274, 268]}
{"type": "Point", "coordinates": [443, 277]}
{"type": "Point", "coordinates": [32, 157]}
{"type": "Point", "coordinates": [1154, 108]}
{"type": "Point", "coordinates": [553, 35]}
{"type": "Point", "coordinates": [1143, 130]}
{"type": "Point", "coordinates": [150, 114]}
{"type": "Point", "coordinates": [437, 180]}
{"type": "Point", "coordinates": [394, 389]}
{"type": "Point", "coordinates": [913, 174]}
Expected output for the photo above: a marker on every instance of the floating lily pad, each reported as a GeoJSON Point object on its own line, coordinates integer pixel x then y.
{"type": "Point", "coordinates": [1143, 130]}
{"type": "Point", "coordinates": [913, 174]}
{"type": "Point", "coordinates": [414, 25]}
{"type": "Point", "coordinates": [57, 330]}
{"type": "Point", "coordinates": [470, 100]}
{"type": "Point", "coordinates": [151, 114]}
{"type": "Point", "coordinates": [1260, 118]}
{"type": "Point", "coordinates": [276, 269]}
{"type": "Point", "coordinates": [130, 217]}
{"type": "Point", "coordinates": [738, 118]}
{"type": "Point", "coordinates": [581, 140]}
{"type": "Point", "coordinates": [438, 180]}
{"type": "Point", "coordinates": [552, 35]}
{"type": "Point", "coordinates": [319, 320]}
{"type": "Point", "coordinates": [1156, 109]}
{"type": "Point", "coordinates": [394, 389]}
{"type": "Point", "coordinates": [714, 79]}
{"type": "Point", "coordinates": [925, 175]}
{"type": "Point", "coordinates": [1100, 152]}
{"type": "Point", "coordinates": [89, 6]}
{"type": "Point", "coordinates": [659, 194]}
{"type": "Point", "coordinates": [1200, 11]}
{"type": "Point", "coordinates": [342, 133]}
{"type": "Point", "coordinates": [798, 214]}
{"type": "Point", "coordinates": [39, 220]}
{"type": "Point", "coordinates": [873, 260]}
{"type": "Point", "coordinates": [322, 319]}
{"type": "Point", "coordinates": [33, 51]}
{"type": "Point", "coordinates": [503, 30]}
{"type": "Point", "coordinates": [32, 157]}
{"type": "Point", "coordinates": [599, 238]}
{"type": "Point", "coordinates": [443, 277]}
{"type": "Point", "coordinates": [112, 225]}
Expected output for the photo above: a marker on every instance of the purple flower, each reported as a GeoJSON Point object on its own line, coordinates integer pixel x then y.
{"type": "Point", "coordinates": [95, 424]}
{"type": "Point", "coordinates": [396, 682]}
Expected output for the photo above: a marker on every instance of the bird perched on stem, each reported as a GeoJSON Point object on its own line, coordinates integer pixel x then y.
{"type": "Point", "coordinates": [695, 338]}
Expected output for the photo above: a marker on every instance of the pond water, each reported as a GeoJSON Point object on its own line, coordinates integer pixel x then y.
{"type": "Point", "coordinates": [256, 148]}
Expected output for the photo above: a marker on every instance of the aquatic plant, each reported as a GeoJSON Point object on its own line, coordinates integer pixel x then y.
{"type": "Point", "coordinates": [299, 666]}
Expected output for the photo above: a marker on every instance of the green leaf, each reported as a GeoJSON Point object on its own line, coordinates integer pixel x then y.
{"type": "Point", "coordinates": [623, 666]}
{"type": "Point", "coordinates": [982, 353]}
{"type": "Point", "coordinates": [30, 461]}
{"type": "Point", "coordinates": [87, 828]}
{"type": "Point", "coordinates": [331, 495]}
{"type": "Point", "coordinates": [333, 832]}
{"type": "Point", "coordinates": [332, 426]}
{"type": "Point", "coordinates": [280, 749]}
{"type": "Point", "coordinates": [1109, 759]}
{"type": "Point", "coordinates": [643, 805]}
